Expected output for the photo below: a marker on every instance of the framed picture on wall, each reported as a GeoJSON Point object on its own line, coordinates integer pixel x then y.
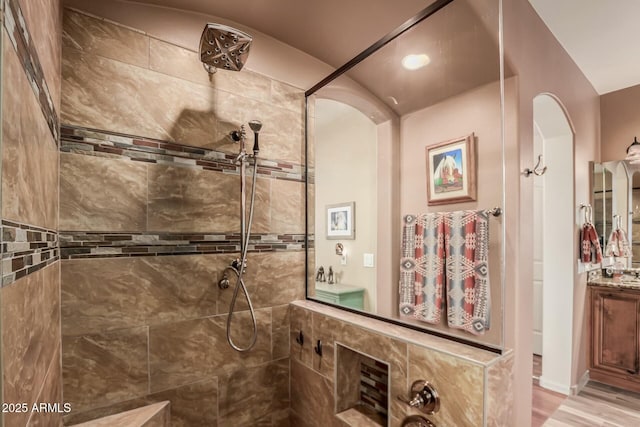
{"type": "Point", "coordinates": [341, 221]}
{"type": "Point", "coordinates": [451, 171]}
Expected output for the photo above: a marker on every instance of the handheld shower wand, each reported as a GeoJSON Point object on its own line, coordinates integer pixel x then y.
{"type": "Point", "coordinates": [255, 126]}
{"type": "Point", "coordinates": [238, 266]}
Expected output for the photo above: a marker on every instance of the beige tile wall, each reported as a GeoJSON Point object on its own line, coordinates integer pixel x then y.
{"type": "Point", "coordinates": [30, 306]}
{"type": "Point", "coordinates": [43, 19]}
{"type": "Point", "coordinates": [107, 368]}
{"type": "Point", "coordinates": [458, 372]}
{"type": "Point", "coordinates": [115, 194]}
{"type": "Point", "coordinates": [121, 80]}
{"type": "Point", "coordinates": [102, 194]}
{"type": "Point", "coordinates": [168, 311]}
{"type": "Point", "coordinates": [193, 404]}
{"type": "Point", "coordinates": [31, 342]}
{"type": "Point", "coordinates": [116, 293]}
{"type": "Point", "coordinates": [29, 152]}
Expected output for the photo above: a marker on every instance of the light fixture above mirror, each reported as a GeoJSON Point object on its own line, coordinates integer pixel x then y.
{"type": "Point", "coordinates": [633, 151]}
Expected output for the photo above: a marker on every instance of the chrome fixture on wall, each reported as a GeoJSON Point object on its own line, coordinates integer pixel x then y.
{"type": "Point", "coordinates": [422, 396]}
{"type": "Point", "coordinates": [497, 211]}
{"type": "Point", "coordinates": [588, 213]}
{"type": "Point", "coordinates": [239, 265]}
{"type": "Point", "coordinates": [255, 126]}
{"type": "Point", "coordinates": [223, 47]}
{"type": "Point", "coordinates": [417, 421]}
{"type": "Point", "coordinates": [537, 170]}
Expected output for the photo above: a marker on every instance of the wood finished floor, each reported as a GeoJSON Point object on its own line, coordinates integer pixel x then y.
{"type": "Point", "coordinates": [544, 405]}
{"type": "Point", "coordinates": [597, 405]}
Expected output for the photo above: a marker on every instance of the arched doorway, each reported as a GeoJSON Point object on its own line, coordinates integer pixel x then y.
{"type": "Point", "coordinates": [554, 246]}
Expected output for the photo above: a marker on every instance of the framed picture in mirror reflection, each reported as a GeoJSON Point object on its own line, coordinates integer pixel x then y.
{"type": "Point", "coordinates": [341, 221]}
{"type": "Point", "coordinates": [451, 171]}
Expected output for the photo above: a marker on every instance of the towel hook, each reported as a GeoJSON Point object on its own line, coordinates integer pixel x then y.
{"type": "Point", "coordinates": [537, 170]}
{"type": "Point", "coordinates": [617, 220]}
{"type": "Point", "coordinates": [588, 213]}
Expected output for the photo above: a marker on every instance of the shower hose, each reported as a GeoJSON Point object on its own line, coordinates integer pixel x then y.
{"type": "Point", "coordinates": [239, 271]}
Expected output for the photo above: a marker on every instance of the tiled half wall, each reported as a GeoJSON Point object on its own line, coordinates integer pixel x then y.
{"type": "Point", "coordinates": [149, 219]}
{"type": "Point", "coordinates": [475, 386]}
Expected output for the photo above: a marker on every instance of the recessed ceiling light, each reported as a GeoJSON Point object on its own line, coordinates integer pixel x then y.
{"type": "Point", "coordinates": [413, 62]}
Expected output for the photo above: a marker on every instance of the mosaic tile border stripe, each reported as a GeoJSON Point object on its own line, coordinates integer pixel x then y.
{"type": "Point", "coordinates": [374, 379]}
{"type": "Point", "coordinates": [78, 244]}
{"type": "Point", "coordinates": [81, 140]}
{"type": "Point", "coordinates": [22, 42]}
{"type": "Point", "coordinates": [25, 250]}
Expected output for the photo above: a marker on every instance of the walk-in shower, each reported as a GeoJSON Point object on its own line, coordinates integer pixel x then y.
{"type": "Point", "coordinates": [223, 47]}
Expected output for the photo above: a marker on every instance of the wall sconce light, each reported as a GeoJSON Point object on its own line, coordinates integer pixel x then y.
{"type": "Point", "coordinates": [633, 151]}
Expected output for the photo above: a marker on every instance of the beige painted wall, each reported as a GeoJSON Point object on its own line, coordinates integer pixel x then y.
{"type": "Point", "coordinates": [346, 160]}
{"type": "Point", "coordinates": [388, 217]}
{"type": "Point", "coordinates": [477, 112]}
{"type": "Point", "coordinates": [541, 65]}
{"type": "Point", "coordinates": [620, 122]}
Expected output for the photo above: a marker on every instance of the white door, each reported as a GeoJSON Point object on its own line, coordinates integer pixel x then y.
{"type": "Point", "coordinates": [538, 227]}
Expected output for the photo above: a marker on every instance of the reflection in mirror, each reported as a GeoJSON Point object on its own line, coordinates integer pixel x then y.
{"type": "Point", "coordinates": [616, 204]}
{"type": "Point", "coordinates": [368, 131]}
{"type": "Point", "coordinates": [635, 219]}
{"type": "Point", "coordinates": [602, 201]}
{"type": "Point", "coordinates": [621, 196]}
{"type": "Point", "coordinates": [346, 173]}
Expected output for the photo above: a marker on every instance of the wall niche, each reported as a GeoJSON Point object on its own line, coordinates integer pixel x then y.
{"type": "Point", "coordinates": [362, 388]}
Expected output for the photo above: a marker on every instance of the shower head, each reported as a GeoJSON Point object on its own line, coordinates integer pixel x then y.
{"type": "Point", "coordinates": [255, 126]}
{"type": "Point", "coordinates": [223, 47]}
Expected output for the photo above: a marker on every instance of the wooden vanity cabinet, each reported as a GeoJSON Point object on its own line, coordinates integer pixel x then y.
{"type": "Point", "coordinates": [615, 337]}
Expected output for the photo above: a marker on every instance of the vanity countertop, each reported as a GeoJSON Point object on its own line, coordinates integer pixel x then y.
{"type": "Point", "coordinates": [623, 283]}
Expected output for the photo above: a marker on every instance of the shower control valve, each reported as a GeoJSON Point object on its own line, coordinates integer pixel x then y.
{"type": "Point", "coordinates": [236, 264]}
{"type": "Point", "coordinates": [238, 135]}
{"type": "Point", "coordinates": [224, 282]}
{"type": "Point", "coordinates": [422, 396]}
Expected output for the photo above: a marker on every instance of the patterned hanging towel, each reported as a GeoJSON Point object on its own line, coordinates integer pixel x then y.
{"type": "Point", "coordinates": [590, 251]}
{"type": "Point", "coordinates": [421, 267]}
{"type": "Point", "coordinates": [618, 245]}
{"type": "Point", "coordinates": [467, 271]}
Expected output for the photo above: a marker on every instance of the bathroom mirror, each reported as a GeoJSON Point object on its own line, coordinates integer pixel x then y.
{"type": "Point", "coordinates": [436, 81]}
{"type": "Point", "coordinates": [616, 202]}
